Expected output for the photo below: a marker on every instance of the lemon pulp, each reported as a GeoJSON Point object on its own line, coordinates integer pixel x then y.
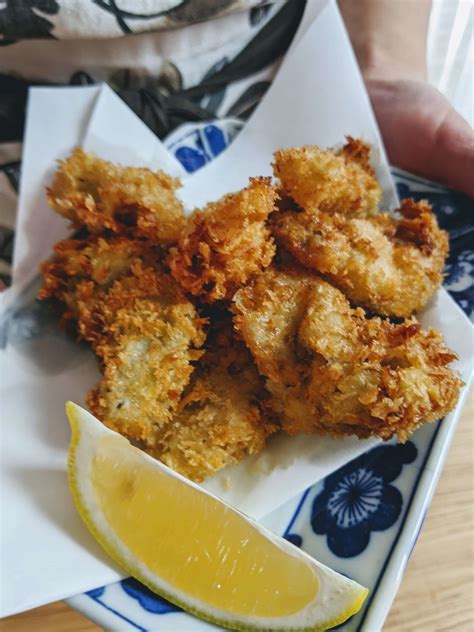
{"type": "Point", "coordinates": [189, 540]}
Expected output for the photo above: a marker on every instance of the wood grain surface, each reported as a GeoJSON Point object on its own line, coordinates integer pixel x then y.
{"type": "Point", "coordinates": [437, 592]}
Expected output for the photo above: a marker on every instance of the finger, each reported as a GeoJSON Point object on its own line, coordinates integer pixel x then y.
{"type": "Point", "coordinates": [422, 133]}
{"type": "Point", "coordinates": [453, 156]}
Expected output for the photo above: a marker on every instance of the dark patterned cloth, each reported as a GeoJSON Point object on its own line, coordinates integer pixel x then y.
{"type": "Point", "coordinates": [38, 19]}
{"type": "Point", "coordinates": [20, 19]}
{"type": "Point", "coordinates": [197, 81]}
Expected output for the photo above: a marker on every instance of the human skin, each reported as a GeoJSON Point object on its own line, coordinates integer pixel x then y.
{"type": "Point", "coordinates": [421, 130]}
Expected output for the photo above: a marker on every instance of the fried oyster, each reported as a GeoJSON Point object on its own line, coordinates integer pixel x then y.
{"type": "Point", "coordinates": [99, 195]}
{"type": "Point", "coordinates": [332, 182]}
{"type": "Point", "coordinates": [349, 374]}
{"type": "Point", "coordinates": [147, 336]}
{"type": "Point", "coordinates": [146, 333]}
{"type": "Point", "coordinates": [200, 388]}
{"type": "Point", "coordinates": [226, 244]}
{"type": "Point", "coordinates": [391, 266]}
{"type": "Point", "coordinates": [220, 418]}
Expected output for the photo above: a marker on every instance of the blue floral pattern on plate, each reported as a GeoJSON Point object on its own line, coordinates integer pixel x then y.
{"type": "Point", "coordinates": [359, 498]}
{"type": "Point", "coordinates": [146, 598]}
{"type": "Point", "coordinates": [95, 593]}
{"type": "Point", "coordinates": [196, 145]}
{"type": "Point", "coordinates": [460, 281]}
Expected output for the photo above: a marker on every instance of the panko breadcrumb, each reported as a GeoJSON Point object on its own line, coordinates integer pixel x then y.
{"type": "Point", "coordinates": [390, 266]}
{"type": "Point", "coordinates": [80, 269]}
{"type": "Point", "coordinates": [268, 312]}
{"type": "Point", "coordinates": [99, 195]}
{"type": "Point", "coordinates": [226, 244]}
{"type": "Point", "coordinates": [220, 420]}
{"type": "Point", "coordinates": [330, 182]}
{"type": "Point", "coordinates": [357, 375]}
{"type": "Point", "coordinates": [201, 388]}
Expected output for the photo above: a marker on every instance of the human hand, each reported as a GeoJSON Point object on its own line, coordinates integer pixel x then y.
{"type": "Point", "coordinates": [422, 132]}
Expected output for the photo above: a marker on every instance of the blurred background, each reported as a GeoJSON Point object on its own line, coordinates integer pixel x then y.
{"type": "Point", "coordinates": [451, 53]}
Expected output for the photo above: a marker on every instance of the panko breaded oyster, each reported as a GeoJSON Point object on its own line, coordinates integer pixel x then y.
{"type": "Point", "coordinates": [146, 333]}
{"type": "Point", "coordinates": [388, 265]}
{"type": "Point", "coordinates": [80, 269]}
{"type": "Point", "coordinates": [331, 182]}
{"type": "Point", "coordinates": [147, 336]}
{"type": "Point", "coordinates": [99, 195]}
{"type": "Point", "coordinates": [220, 419]}
{"type": "Point", "coordinates": [355, 375]}
{"type": "Point", "coordinates": [226, 244]}
{"type": "Point", "coordinates": [300, 353]}
{"type": "Point", "coordinates": [267, 316]}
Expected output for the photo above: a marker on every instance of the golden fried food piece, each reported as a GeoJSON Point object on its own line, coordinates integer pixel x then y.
{"type": "Point", "coordinates": [293, 348]}
{"type": "Point", "coordinates": [389, 266]}
{"type": "Point", "coordinates": [354, 375]}
{"type": "Point", "coordinates": [220, 420]}
{"type": "Point", "coordinates": [268, 314]}
{"type": "Point", "coordinates": [226, 244]}
{"type": "Point", "coordinates": [145, 332]}
{"type": "Point", "coordinates": [330, 182]}
{"type": "Point", "coordinates": [99, 195]}
{"type": "Point", "coordinates": [81, 268]}
{"type": "Point", "coordinates": [147, 335]}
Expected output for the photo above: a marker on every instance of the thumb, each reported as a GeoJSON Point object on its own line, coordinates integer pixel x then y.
{"type": "Point", "coordinates": [453, 153]}
{"type": "Point", "coordinates": [423, 133]}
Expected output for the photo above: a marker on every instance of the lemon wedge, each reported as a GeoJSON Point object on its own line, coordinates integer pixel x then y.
{"type": "Point", "coordinates": [193, 549]}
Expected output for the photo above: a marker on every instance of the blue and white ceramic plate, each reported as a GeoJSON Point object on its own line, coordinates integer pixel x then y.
{"type": "Point", "coordinates": [363, 520]}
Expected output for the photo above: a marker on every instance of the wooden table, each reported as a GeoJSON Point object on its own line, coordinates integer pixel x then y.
{"type": "Point", "coordinates": [437, 592]}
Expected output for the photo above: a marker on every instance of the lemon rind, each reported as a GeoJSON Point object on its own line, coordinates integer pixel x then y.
{"type": "Point", "coordinates": [118, 557]}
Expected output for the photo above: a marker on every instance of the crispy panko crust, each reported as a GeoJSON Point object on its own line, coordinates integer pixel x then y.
{"type": "Point", "coordinates": [99, 195]}
{"type": "Point", "coordinates": [220, 420]}
{"type": "Point", "coordinates": [226, 244]}
{"type": "Point", "coordinates": [268, 313]}
{"type": "Point", "coordinates": [292, 349]}
{"type": "Point", "coordinates": [80, 269]}
{"type": "Point", "coordinates": [357, 375]}
{"type": "Point", "coordinates": [147, 335]}
{"type": "Point", "coordinates": [389, 266]}
{"type": "Point", "coordinates": [330, 182]}
{"type": "Point", "coordinates": [143, 329]}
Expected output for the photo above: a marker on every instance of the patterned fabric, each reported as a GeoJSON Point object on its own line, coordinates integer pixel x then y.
{"type": "Point", "coordinates": [200, 72]}
{"type": "Point", "coordinates": [63, 19]}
